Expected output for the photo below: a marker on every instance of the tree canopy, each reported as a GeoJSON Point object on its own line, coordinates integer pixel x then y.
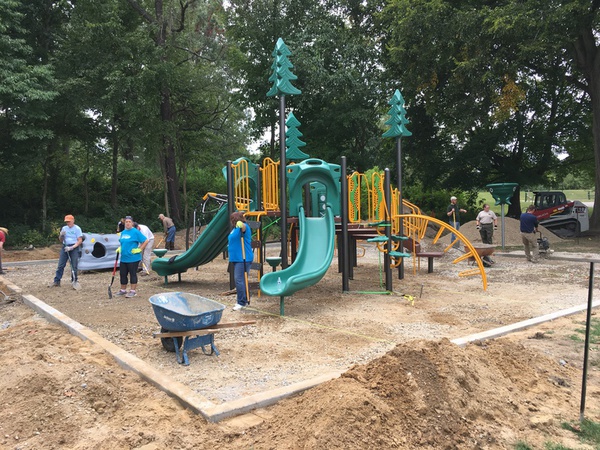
{"type": "Point", "coordinates": [504, 89]}
{"type": "Point", "coordinates": [112, 107]}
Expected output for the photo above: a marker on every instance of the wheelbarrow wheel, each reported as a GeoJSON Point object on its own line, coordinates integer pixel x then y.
{"type": "Point", "coordinates": [167, 343]}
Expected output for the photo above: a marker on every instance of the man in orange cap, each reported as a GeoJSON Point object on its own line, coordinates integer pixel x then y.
{"type": "Point", "coordinates": [71, 237]}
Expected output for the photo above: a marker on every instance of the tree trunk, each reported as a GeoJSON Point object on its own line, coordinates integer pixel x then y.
{"type": "Point", "coordinates": [170, 158]}
{"type": "Point", "coordinates": [595, 96]}
{"type": "Point", "coordinates": [587, 58]}
{"type": "Point", "coordinates": [45, 194]}
{"type": "Point", "coordinates": [186, 203]}
{"type": "Point", "coordinates": [51, 175]}
{"type": "Point", "coordinates": [114, 175]}
{"type": "Point", "coordinates": [514, 209]}
{"type": "Point", "coordinates": [86, 190]}
{"type": "Point", "coordinates": [161, 161]}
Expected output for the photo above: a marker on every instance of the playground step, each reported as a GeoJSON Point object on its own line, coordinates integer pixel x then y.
{"type": "Point", "coordinates": [380, 224]}
{"type": "Point", "coordinates": [399, 238]}
{"type": "Point", "coordinates": [378, 239]}
{"type": "Point", "coordinates": [399, 255]}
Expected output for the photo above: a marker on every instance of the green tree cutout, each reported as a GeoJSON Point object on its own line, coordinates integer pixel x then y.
{"type": "Point", "coordinates": [397, 120]}
{"type": "Point", "coordinates": [282, 75]}
{"type": "Point", "coordinates": [293, 142]}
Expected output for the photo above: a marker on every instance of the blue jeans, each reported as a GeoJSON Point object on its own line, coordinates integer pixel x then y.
{"type": "Point", "coordinates": [240, 280]}
{"type": "Point", "coordinates": [171, 234]}
{"type": "Point", "coordinates": [456, 226]}
{"type": "Point", "coordinates": [62, 262]}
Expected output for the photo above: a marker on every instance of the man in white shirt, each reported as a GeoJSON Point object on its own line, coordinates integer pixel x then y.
{"type": "Point", "coordinates": [485, 220]}
{"type": "Point", "coordinates": [147, 250]}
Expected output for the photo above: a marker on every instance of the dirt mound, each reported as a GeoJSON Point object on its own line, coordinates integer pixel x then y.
{"type": "Point", "coordinates": [32, 254]}
{"type": "Point", "coordinates": [512, 233]}
{"type": "Point", "coordinates": [429, 395]}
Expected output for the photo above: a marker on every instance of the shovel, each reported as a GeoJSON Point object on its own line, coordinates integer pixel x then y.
{"type": "Point", "coordinates": [74, 283]}
{"type": "Point", "coordinates": [113, 277]}
{"type": "Point", "coordinates": [8, 298]}
{"type": "Point", "coordinates": [145, 268]}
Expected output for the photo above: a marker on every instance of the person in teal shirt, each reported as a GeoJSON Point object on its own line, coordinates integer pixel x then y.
{"type": "Point", "coordinates": [132, 245]}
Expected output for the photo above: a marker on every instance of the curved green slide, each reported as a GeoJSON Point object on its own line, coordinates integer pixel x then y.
{"type": "Point", "coordinates": [316, 246]}
{"type": "Point", "coordinates": [212, 242]}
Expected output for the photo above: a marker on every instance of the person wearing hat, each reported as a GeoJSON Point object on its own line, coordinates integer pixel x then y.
{"type": "Point", "coordinates": [170, 229]}
{"type": "Point", "coordinates": [453, 213]}
{"type": "Point", "coordinates": [71, 238]}
{"type": "Point", "coordinates": [3, 234]}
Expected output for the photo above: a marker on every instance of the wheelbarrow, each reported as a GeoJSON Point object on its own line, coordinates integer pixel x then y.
{"type": "Point", "coordinates": [188, 321]}
{"type": "Point", "coordinates": [485, 251]}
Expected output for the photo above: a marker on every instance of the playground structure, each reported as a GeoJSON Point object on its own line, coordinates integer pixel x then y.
{"type": "Point", "coordinates": [318, 193]}
{"type": "Point", "coordinates": [315, 201]}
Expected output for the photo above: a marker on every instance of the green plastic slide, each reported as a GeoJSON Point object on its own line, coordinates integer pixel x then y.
{"type": "Point", "coordinates": [317, 242]}
{"type": "Point", "coordinates": [212, 242]}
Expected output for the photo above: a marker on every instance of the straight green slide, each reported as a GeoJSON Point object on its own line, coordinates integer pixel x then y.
{"type": "Point", "coordinates": [211, 243]}
{"type": "Point", "coordinates": [316, 247]}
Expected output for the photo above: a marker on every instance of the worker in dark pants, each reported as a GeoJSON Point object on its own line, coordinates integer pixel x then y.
{"type": "Point", "coordinates": [453, 212]}
{"type": "Point", "coordinates": [529, 228]}
{"type": "Point", "coordinates": [170, 229]}
{"type": "Point", "coordinates": [487, 223]}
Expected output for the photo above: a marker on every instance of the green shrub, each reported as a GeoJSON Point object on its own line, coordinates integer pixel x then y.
{"type": "Point", "coordinates": [21, 236]}
{"type": "Point", "coordinates": [435, 202]}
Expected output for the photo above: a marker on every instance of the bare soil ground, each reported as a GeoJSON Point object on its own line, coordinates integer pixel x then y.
{"type": "Point", "coordinates": [404, 385]}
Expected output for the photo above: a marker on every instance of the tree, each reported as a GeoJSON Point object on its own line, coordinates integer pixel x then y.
{"type": "Point", "coordinates": [504, 87]}
{"type": "Point", "coordinates": [108, 53]}
{"type": "Point", "coordinates": [340, 72]}
{"type": "Point", "coordinates": [187, 37]}
{"type": "Point", "coordinates": [38, 114]}
{"type": "Point", "coordinates": [336, 62]}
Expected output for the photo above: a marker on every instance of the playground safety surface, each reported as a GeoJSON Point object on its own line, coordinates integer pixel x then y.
{"type": "Point", "coordinates": [323, 331]}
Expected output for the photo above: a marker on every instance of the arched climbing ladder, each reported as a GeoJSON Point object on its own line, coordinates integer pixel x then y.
{"type": "Point", "coordinates": [415, 226]}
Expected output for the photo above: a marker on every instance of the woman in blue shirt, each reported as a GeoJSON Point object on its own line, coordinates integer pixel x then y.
{"type": "Point", "coordinates": [240, 257]}
{"type": "Point", "coordinates": [132, 245]}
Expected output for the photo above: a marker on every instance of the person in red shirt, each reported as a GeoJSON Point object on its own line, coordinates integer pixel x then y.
{"type": "Point", "coordinates": [3, 234]}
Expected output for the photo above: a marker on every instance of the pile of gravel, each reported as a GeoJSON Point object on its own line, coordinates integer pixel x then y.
{"type": "Point", "coordinates": [512, 233]}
